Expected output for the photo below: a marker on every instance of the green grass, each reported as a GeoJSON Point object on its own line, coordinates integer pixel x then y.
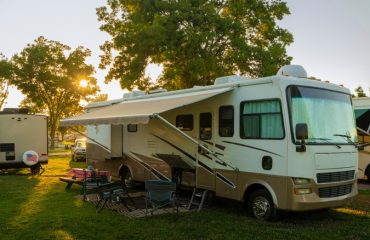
{"type": "Point", "coordinates": [40, 208]}
{"type": "Point", "coordinates": [59, 150]}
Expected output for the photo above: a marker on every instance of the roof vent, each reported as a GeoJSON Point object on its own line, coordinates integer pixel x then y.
{"type": "Point", "coordinates": [292, 71]}
{"type": "Point", "coordinates": [230, 79]}
{"type": "Point", "coordinates": [134, 93]}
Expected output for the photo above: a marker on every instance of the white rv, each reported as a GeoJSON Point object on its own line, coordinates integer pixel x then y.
{"type": "Point", "coordinates": [362, 113]}
{"type": "Point", "coordinates": [280, 142]}
{"type": "Point", "coordinates": [23, 140]}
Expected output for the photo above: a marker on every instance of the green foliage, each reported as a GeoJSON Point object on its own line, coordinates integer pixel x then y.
{"type": "Point", "coordinates": [195, 40]}
{"type": "Point", "coordinates": [49, 73]}
{"type": "Point", "coordinates": [99, 98]}
{"type": "Point", "coordinates": [6, 70]}
{"type": "Point", "coordinates": [360, 92]}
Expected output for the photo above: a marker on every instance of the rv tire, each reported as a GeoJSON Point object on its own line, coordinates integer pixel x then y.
{"type": "Point", "coordinates": [261, 206]}
{"type": "Point", "coordinates": [126, 178]}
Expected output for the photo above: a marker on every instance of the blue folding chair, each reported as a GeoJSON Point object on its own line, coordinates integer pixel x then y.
{"type": "Point", "coordinates": [159, 194]}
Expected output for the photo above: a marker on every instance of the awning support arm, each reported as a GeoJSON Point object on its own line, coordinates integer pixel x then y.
{"type": "Point", "coordinates": [91, 139]}
{"type": "Point", "coordinates": [157, 116]}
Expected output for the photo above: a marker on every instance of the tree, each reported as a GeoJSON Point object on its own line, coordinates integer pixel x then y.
{"type": "Point", "coordinates": [6, 70]}
{"type": "Point", "coordinates": [99, 98]}
{"type": "Point", "coordinates": [49, 73]}
{"type": "Point", "coordinates": [360, 92]}
{"type": "Point", "coordinates": [194, 40]}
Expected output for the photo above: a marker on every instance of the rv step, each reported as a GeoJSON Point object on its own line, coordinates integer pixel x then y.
{"type": "Point", "coordinates": [197, 198]}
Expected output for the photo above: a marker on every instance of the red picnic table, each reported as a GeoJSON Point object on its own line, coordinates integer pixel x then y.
{"type": "Point", "coordinates": [86, 177]}
{"type": "Point", "coordinates": [79, 173]}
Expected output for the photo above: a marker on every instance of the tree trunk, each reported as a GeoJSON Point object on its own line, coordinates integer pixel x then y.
{"type": "Point", "coordinates": [53, 128]}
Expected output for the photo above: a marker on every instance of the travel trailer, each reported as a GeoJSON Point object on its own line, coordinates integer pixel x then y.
{"type": "Point", "coordinates": [362, 113]}
{"type": "Point", "coordinates": [274, 143]}
{"type": "Point", "coordinates": [23, 140]}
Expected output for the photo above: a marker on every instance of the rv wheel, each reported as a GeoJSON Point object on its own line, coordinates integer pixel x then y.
{"type": "Point", "coordinates": [126, 178]}
{"type": "Point", "coordinates": [261, 206]}
{"type": "Point", "coordinates": [35, 169]}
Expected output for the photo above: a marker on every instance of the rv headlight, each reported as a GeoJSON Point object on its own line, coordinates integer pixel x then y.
{"type": "Point", "coordinates": [301, 181]}
{"type": "Point", "coordinates": [302, 191]}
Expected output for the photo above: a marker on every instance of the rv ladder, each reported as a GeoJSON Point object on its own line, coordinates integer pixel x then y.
{"type": "Point", "coordinates": [197, 199]}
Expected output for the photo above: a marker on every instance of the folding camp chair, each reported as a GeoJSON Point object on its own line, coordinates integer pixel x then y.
{"type": "Point", "coordinates": [158, 194]}
{"type": "Point", "coordinates": [113, 192]}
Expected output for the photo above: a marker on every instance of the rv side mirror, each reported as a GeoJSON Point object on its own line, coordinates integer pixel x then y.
{"type": "Point", "coordinates": [301, 132]}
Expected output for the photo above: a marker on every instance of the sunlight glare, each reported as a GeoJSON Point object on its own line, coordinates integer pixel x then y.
{"type": "Point", "coordinates": [83, 83]}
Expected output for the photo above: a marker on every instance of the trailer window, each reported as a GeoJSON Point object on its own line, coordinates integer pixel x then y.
{"type": "Point", "coordinates": [205, 126]}
{"type": "Point", "coordinates": [184, 122]}
{"type": "Point", "coordinates": [261, 120]}
{"type": "Point", "coordinates": [226, 121]}
{"type": "Point", "coordinates": [132, 128]}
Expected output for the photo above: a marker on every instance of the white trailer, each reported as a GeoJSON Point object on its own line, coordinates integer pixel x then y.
{"type": "Point", "coordinates": [280, 142]}
{"type": "Point", "coordinates": [23, 140]}
{"type": "Point", "coordinates": [362, 112]}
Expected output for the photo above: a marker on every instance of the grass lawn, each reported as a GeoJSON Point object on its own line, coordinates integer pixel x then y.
{"type": "Point", "coordinates": [40, 208]}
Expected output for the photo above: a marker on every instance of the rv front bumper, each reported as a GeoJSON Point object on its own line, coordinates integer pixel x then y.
{"type": "Point", "coordinates": [321, 195]}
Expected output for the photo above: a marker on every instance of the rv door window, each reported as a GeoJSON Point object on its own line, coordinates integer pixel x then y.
{"type": "Point", "coordinates": [226, 121]}
{"type": "Point", "coordinates": [184, 122]}
{"type": "Point", "coordinates": [205, 126]}
{"type": "Point", "coordinates": [132, 128]}
{"type": "Point", "coordinates": [261, 120]}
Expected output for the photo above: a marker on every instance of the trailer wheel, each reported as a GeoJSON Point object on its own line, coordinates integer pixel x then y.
{"type": "Point", "coordinates": [35, 169]}
{"type": "Point", "coordinates": [126, 178]}
{"type": "Point", "coordinates": [261, 206]}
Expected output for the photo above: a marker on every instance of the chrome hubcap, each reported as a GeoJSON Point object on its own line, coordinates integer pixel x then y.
{"type": "Point", "coordinates": [260, 207]}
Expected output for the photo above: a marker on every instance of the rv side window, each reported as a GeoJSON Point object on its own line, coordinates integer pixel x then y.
{"type": "Point", "coordinates": [226, 121]}
{"type": "Point", "coordinates": [184, 122]}
{"type": "Point", "coordinates": [261, 120]}
{"type": "Point", "coordinates": [205, 126]}
{"type": "Point", "coordinates": [132, 128]}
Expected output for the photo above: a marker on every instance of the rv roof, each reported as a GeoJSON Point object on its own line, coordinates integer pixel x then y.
{"type": "Point", "coordinates": [240, 81]}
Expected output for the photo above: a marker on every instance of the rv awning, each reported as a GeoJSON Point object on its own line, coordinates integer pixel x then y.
{"type": "Point", "coordinates": [139, 111]}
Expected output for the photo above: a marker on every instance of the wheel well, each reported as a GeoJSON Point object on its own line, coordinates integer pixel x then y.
{"type": "Point", "coordinates": [122, 170]}
{"type": "Point", "coordinates": [252, 188]}
{"type": "Point", "coordinates": [367, 171]}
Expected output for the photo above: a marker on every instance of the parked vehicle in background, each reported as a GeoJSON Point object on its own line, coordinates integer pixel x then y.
{"type": "Point", "coordinates": [283, 142]}
{"type": "Point", "coordinates": [362, 113]}
{"type": "Point", "coordinates": [79, 150]}
{"type": "Point", "coordinates": [23, 140]}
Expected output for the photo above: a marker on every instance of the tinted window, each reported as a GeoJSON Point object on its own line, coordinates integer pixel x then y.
{"type": "Point", "coordinates": [132, 128]}
{"type": "Point", "coordinates": [184, 122]}
{"type": "Point", "coordinates": [205, 126]}
{"type": "Point", "coordinates": [261, 119]}
{"type": "Point", "coordinates": [226, 121]}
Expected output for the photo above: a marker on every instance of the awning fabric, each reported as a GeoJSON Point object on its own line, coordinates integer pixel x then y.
{"type": "Point", "coordinates": [139, 111]}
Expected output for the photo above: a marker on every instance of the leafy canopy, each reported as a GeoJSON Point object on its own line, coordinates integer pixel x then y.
{"type": "Point", "coordinates": [49, 74]}
{"type": "Point", "coordinates": [195, 40]}
{"type": "Point", "coordinates": [360, 92]}
{"type": "Point", "coordinates": [6, 70]}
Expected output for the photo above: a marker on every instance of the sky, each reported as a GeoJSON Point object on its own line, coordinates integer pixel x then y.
{"type": "Point", "coordinates": [331, 37]}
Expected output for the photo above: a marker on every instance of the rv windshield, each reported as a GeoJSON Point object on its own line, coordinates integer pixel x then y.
{"type": "Point", "coordinates": [328, 115]}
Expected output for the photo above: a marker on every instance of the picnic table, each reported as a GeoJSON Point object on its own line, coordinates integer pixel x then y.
{"type": "Point", "coordinates": [89, 179]}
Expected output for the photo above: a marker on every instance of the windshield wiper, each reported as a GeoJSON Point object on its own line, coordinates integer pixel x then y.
{"type": "Point", "coordinates": [348, 137]}
{"type": "Point", "coordinates": [325, 140]}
